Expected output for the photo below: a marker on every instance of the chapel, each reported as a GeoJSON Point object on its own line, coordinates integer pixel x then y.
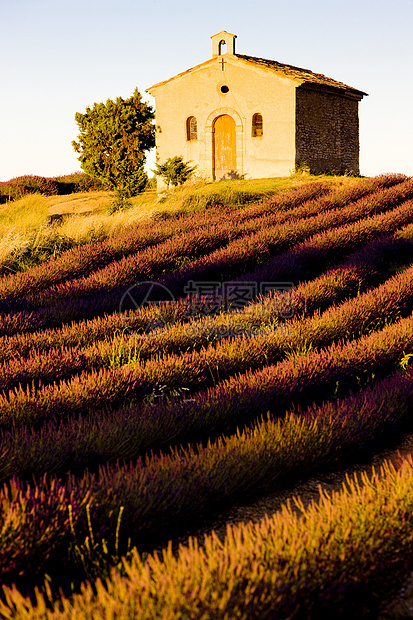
{"type": "Point", "coordinates": [238, 116]}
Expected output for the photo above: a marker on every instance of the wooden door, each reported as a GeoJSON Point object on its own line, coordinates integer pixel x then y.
{"type": "Point", "coordinates": [225, 161]}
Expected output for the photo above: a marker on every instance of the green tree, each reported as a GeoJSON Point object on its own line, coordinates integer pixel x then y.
{"type": "Point", "coordinates": [175, 171]}
{"type": "Point", "coordinates": [113, 140]}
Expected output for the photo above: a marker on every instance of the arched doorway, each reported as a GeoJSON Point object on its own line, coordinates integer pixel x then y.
{"type": "Point", "coordinates": [224, 147]}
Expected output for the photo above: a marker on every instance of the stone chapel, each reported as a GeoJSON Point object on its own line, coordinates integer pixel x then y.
{"type": "Point", "coordinates": [241, 116]}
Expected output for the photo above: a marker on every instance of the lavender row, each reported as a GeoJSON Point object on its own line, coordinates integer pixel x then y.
{"type": "Point", "coordinates": [341, 556]}
{"type": "Point", "coordinates": [78, 262]}
{"type": "Point", "coordinates": [82, 334]}
{"type": "Point", "coordinates": [87, 307]}
{"type": "Point", "coordinates": [244, 397]}
{"type": "Point", "coordinates": [323, 200]}
{"type": "Point", "coordinates": [164, 495]}
{"type": "Point", "coordinates": [310, 258]}
{"type": "Point", "coordinates": [89, 257]}
{"type": "Point", "coordinates": [281, 210]}
{"type": "Point", "coordinates": [191, 484]}
{"type": "Point", "coordinates": [244, 254]}
{"type": "Point", "coordinates": [147, 264]}
{"type": "Point", "coordinates": [340, 196]}
{"type": "Point", "coordinates": [371, 310]}
{"type": "Point", "coordinates": [393, 298]}
{"type": "Point", "coordinates": [84, 392]}
{"type": "Point", "coordinates": [128, 431]}
{"type": "Point", "coordinates": [136, 237]}
{"type": "Point", "coordinates": [367, 266]}
{"type": "Point", "coordinates": [302, 193]}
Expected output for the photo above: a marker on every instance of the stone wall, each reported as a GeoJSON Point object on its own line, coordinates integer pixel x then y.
{"type": "Point", "coordinates": [327, 131]}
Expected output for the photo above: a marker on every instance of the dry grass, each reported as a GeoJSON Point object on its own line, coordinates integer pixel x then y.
{"type": "Point", "coordinates": [23, 216]}
{"type": "Point", "coordinates": [21, 226]}
{"type": "Point", "coordinates": [241, 191]}
{"type": "Point", "coordinates": [84, 202]}
{"type": "Point", "coordinates": [199, 194]}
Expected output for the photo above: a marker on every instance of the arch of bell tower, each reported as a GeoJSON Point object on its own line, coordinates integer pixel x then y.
{"type": "Point", "coordinates": [223, 40]}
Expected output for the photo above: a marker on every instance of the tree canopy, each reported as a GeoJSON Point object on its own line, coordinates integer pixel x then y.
{"type": "Point", "coordinates": [113, 140]}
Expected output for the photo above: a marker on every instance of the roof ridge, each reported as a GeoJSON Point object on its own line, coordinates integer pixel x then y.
{"type": "Point", "coordinates": [276, 62]}
{"type": "Point", "coordinates": [305, 74]}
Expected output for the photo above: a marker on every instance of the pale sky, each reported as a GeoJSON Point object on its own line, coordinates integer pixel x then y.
{"type": "Point", "coordinates": [59, 56]}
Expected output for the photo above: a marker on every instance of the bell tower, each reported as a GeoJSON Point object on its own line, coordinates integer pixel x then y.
{"type": "Point", "coordinates": [223, 43]}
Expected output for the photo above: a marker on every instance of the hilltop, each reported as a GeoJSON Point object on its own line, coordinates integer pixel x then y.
{"type": "Point", "coordinates": [272, 343]}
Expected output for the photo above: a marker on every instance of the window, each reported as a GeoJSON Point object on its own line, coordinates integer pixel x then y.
{"type": "Point", "coordinates": [222, 47]}
{"type": "Point", "coordinates": [191, 128]}
{"type": "Point", "coordinates": [257, 125]}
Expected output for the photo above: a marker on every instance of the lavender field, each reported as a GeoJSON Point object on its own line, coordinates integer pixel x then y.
{"type": "Point", "coordinates": [152, 379]}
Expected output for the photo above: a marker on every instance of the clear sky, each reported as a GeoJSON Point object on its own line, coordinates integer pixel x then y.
{"type": "Point", "coordinates": [59, 56]}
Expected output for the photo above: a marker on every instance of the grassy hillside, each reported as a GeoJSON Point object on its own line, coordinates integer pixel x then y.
{"type": "Point", "coordinates": [276, 343]}
{"type": "Point", "coordinates": [36, 227]}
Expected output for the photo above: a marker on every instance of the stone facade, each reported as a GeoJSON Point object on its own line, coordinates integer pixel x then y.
{"type": "Point", "coordinates": [273, 117]}
{"type": "Point", "coordinates": [327, 131]}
